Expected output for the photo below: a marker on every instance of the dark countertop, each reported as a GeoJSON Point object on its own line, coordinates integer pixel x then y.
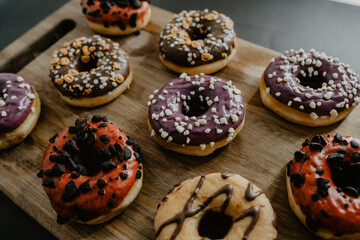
{"type": "Point", "coordinates": [278, 24]}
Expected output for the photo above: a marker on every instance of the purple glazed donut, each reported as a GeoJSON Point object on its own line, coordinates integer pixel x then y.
{"type": "Point", "coordinates": [18, 100]}
{"type": "Point", "coordinates": [195, 115]}
{"type": "Point", "coordinates": [310, 88]}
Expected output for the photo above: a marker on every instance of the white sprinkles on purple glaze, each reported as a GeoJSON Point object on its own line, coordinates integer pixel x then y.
{"type": "Point", "coordinates": [169, 110]}
{"type": "Point", "coordinates": [338, 87]}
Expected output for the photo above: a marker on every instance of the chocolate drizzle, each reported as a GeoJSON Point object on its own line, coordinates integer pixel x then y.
{"type": "Point", "coordinates": [188, 211]}
{"type": "Point", "coordinates": [249, 194]}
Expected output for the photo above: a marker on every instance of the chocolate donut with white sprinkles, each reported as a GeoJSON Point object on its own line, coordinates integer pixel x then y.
{"type": "Point", "coordinates": [83, 171]}
{"type": "Point", "coordinates": [195, 115]}
{"type": "Point", "coordinates": [89, 72]}
{"type": "Point", "coordinates": [310, 88]}
{"type": "Point", "coordinates": [323, 185]}
{"type": "Point", "coordinates": [198, 42]}
{"type": "Point", "coordinates": [116, 17]}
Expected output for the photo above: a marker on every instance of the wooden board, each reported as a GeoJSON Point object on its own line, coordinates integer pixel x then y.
{"type": "Point", "coordinates": [259, 153]}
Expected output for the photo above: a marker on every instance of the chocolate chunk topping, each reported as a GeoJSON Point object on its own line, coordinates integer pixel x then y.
{"type": "Point", "coordinates": [72, 130]}
{"type": "Point", "coordinates": [127, 154]}
{"type": "Point", "coordinates": [102, 125]}
{"type": "Point", "coordinates": [305, 143]}
{"type": "Point", "coordinates": [350, 191]}
{"type": "Point", "coordinates": [52, 139]}
{"type": "Point", "coordinates": [320, 171]}
{"type": "Point", "coordinates": [337, 137]}
{"type": "Point", "coordinates": [314, 197]}
{"type": "Point", "coordinates": [138, 174]}
{"type": "Point", "coordinates": [110, 205]}
{"type": "Point", "coordinates": [133, 20]}
{"type": "Point", "coordinates": [139, 157]}
{"type": "Point", "coordinates": [123, 175]}
{"type": "Point", "coordinates": [48, 172]}
{"type": "Point", "coordinates": [40, 173]}
{"type": "Point", "coordinates": [104, 119]}
{"type": "Point", "coordinates": [118, 147]}
{"type": "Point", "coordinates": [288, 168]}
{"type": "Point", "coordinates": [342, 151]}
{"type": "Point", "coordinates": [356, 157]}
{"type": "Point", "coordinates": [315, 139]}
{"type": "Point", "coordinates": [323, 140]}
{"type": "Point", "coordinates": [71, 189]}
{"type": "Point", "coordinates": [312, 223]}
{"type": "Point", "coordinates": [114, 195]}
{"type": "Point", "coordinates": [75, 175]}
{"type": "Point", "coordinates": [48, 182]}
{"type": "Point", "coordinates": [354, 144]}
{"type": "Point", "coordinates": [135, 4]}
{"type": "Point", "coordinates": [108, 165]}
{"type": "Point", "coordinates": [322, 187]}
{"type": "Point", "coordinates": [298, 179]}
{"type": "Point", "coordinates": [299, 156]}
{"type": "Point", "coordinates": [96, 118]}
{"type": "Point", "coordinates": [124, 166]}
{"type": "Point", "coordinates": [324, 213]}
{"type": "Point", "coordinates": [315, 146]}
{"type": "Point", "coordinates": [104, 138]}
{"type": "Point", "coordinates": [58, 170]}
{"type": "Point", "coordinates": [71, 146]}
{"type": "Point", "coordinates": [85, 187]}
{"type": "Point", "coordinates": [335, 159]}
{"type": "Point", "coordinates": [101, 183]}
{"type": "Point", "coordinates": [101, 192]}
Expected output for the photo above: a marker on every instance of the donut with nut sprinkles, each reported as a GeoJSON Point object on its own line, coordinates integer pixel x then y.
{"type": "Point", "coordinates": [91, 171]}
{"type": "Point", "coordinates": [195, 115]}
{"type": "Point", "coordinates": [324, 186]}
{"type": "Point", "coordinates": [310, 88]}
{"type": "Point", "coordinates": [198, 42]}
{"type": "Point", "coordinates": [90, 71]}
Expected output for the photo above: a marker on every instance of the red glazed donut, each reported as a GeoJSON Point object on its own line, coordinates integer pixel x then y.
{"type": "Point", "coordinates": [323, 183]}
{"type": "Point", "coordinates": [91, 171]}
{"type": "Point", "coordinates": [116, 17]}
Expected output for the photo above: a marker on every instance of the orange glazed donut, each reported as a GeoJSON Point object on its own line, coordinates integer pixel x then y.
{"type": "Point", "coordinates": [323, 182]}
{"type": "Point", "coordinates": [91, 171]}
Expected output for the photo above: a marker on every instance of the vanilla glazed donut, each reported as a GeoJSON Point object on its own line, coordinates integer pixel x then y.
{"type": "Point", "coordinates": [198, 42]}
{"type": "Point", "coordinates": [215, 206]}
{"type": "Point", "coordinates": [323, 185]}
{"type": "Point", "coordinates": [116, 17]}
{"type": "Point", "coordinates": [89, 72]}
{"type": "Point", "coordinates": [195, 115]}
{"type": "Point", "coordinates": [19, 109]}
{"type": "Point", "coordinates": [91, 171]}
{"type": "Point", "coordinates": [309, 88]}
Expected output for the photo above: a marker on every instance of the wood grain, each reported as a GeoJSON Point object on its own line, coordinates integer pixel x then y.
{"type": "Point", "coordinates": [259, 153]}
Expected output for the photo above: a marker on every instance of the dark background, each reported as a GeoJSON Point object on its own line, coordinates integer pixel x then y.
{"type": "Point", "coordinates": [276, 24]}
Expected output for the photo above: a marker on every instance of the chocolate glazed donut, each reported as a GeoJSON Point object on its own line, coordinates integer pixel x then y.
{"type": "Point", "coordinates": [197, 42]}
{"type": "Point", "coordinates": [208, 210]}
{"type": "Point", "coordinates": [90, 71]}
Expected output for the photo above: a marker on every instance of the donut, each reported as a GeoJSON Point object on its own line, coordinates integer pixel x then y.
{"type": "Point", "coordinates": [215, 206]}
{"type": "Point", "coordinates": [198, 42]}
{"type": "Point", "coordinates": [323, 186]}
{"type": "Point", "coordinates": [91, 171]}
{"type": "Point", "coordinates": [195, 115]}
{"type": "Point", "coordinates": [309, 88]}
{"type": "Point", "coordinates": [19, 109]}
{"type": "Point", "coordinates": [116, 17]}
{"type": "Point", "coordinates": [89, 72]}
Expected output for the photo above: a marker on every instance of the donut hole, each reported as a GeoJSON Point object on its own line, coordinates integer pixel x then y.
{"type": "Point", "coordinates": [314, 82]}
{"type": "Point", "coordinates": [88, 163]}
{"type": "Point", "coordinates": [215, 225]}
{"type": "Point", "coordinates": [87, 66]}
{"type": "Point", "coordinates": [196, 107]}
{"type": "Point", "coordinates": [346, 175]}
{"type": "Point", "coordinates": [199, 33]}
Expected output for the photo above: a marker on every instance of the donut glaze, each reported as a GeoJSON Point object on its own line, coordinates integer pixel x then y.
{"type": "Point", "coordinates": [89, 67]}
{"type": "Point", "coordinates": [324, 177]}
{"type": "Point", "coordinates": [16, 100]}
{"type": "Point", "coordinates": [196, 38]}
{"type": "Point", "coordinates": [111, 12]}
{"type": "Point", "coordinates": [88, 169]}
{"type": "Point", "coordinates": [313, 83]}
{"type": "Point", "coordinates": [173, 113]}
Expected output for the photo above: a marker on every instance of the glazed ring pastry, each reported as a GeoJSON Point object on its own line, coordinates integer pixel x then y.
{"type": "Point", "coordinates": [113, 17]}
{"type": "Point", "coordinates": [310, 88]}
{"type": "Point", "coordinates": [19, 109]}
{"type": "Point", "coordinates": [91, 171]}
{"type": "Point", "coordinates": [324, 186]}
{"type": "Point", "coordinates": [195, 115]}
{"type": "Point", "coordinates": [215, 206]}
{"type": "Point", "coordinates": [198, 42]}
{"type": "Point", "coordinates": [89, 72]}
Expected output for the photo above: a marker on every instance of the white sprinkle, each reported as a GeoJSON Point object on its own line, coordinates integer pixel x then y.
{"type": "Point", "coordinates": [202, 121]}
{"type": "Point", "coordinates": [186, 132]}
{"type": "Point", "coordinates": [223, 121]}
{"type": "Point", "coordinates": [267, 90]}
{"type": "Point", "coordinates": [207, 130]}
{"type": "Point", "coordinates": [278, 94]}
{"type": "Point", "coordinates": [318, 63]}
{"type": "Point", "coordinates": [187, 140]}
{"type": "Point", "coordinates": [301, 107]}
{"type": "Point", "coordinates": [335, 75]}
{"type": "Point", "coordinates": [32, 109]}
{"type": "Point", "coordinates": [180, 129]}
{"type": "Point", "coordinates": [2, 103]}
{"type": "Point", "coordinates": [216, 99]}
{"type": "Point", "coordinates": [308, 61]}
{"type": "Point", "coordinates": [333, 113]}
{"type": "Point", "coordinates": [279, 80]}
{"type": "Point", "coordinates": [201, 89]}
{"type": "Point", "coordinates": [152, 133]}
{"type": "Point", "coordinates": [312, 105]}
{"type": "Point", "coordinates": [213, 110]}
{"type": "Point", "coordinates": [234, 118]}
{"type": "Point", "coordinates": [289, 103]}
{"type": "Point", "coordinates": [203, 146]}
{"type": "Point", "coordinates": [164, 134]}
{"type": "Point", "coordinates": [218, 131]}
{"type": "Point", "coordinates": [3, 114]}
{"type": "Point", "coordinates": [327, 95]}
{"type": "Point", "coordinates": [19, 79]}
{"type": "Point", "coordinates": [168, 112]}
{"type": "Point", "coordinates": [297, 99]}
{"type": "Point", "coordinates": [308, 95]}
{"type": "Point", "coordinates": [313, 115]}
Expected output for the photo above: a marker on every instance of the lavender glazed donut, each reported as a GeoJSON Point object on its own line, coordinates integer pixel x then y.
{"type": "Point", "coordinates": [90, 71]}
{"type": "Point", "coordinates": [310, 88]}
{"type": "Point", "coordinates": [198, 42]}
{"type": "Point", "coordinates": [195, 115]}
{"type": "Point", "coordinates": [19, 109]}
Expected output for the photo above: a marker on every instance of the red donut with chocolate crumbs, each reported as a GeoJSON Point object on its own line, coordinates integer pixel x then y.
{"type": "Point", "coordinates": [113, 17]}
{"type": "Point", "coordinates": [323, 185]}
{"type": "Point", "coordinates": [91, 171]}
